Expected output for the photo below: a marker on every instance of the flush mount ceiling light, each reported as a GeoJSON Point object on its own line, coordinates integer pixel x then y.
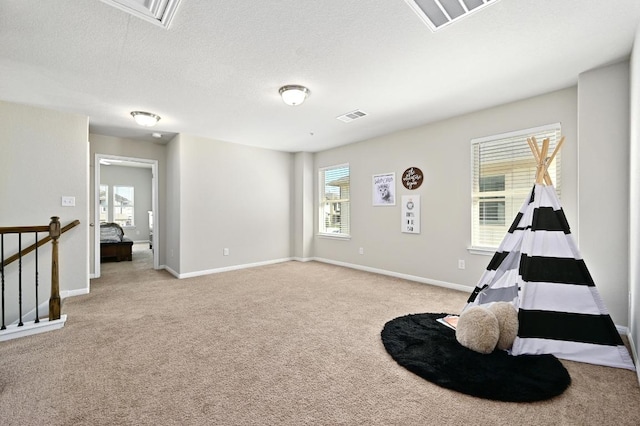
{"type": "Point", "coordinates": [293, 94]}
{"type": "Point", "coordinates": [145, 119]}
{"type": "Point", "coordinates": [440, 13]}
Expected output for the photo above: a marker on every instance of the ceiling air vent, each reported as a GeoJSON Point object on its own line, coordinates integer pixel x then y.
{"type": "Point", "coordinates": [159, 12]}
{"type": "Point", "coordinates": [440, 13]}
{"type": "Point", "coordinates": [353, 115]}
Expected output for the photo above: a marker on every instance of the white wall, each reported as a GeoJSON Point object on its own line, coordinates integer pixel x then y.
{"type": "Point", "coordinates": [442, 151]}
{"type": "Point", "coordinates": [174, 201]}
{"type": "Point", "coordinates": [140, 179]}
{"type": "Point", "coordinates": [302, 206]}
{"type": "Point", "coordinates": [44, 157]}
{"type": "Point", "coordinates": [603, 182]}
{"type": "Point", "coordinates": [634, 199]}
{"type": "Point", "coordinates": [231, 196]}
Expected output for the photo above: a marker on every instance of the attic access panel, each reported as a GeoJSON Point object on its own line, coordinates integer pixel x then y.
{"type": "Point", "coordinates": [159, 12]}
{"type": "Point", "coordinates": [439, 13]}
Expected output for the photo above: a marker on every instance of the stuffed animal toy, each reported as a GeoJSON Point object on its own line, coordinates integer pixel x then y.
{"type": "Point", "coordinates": [478, 329]}
{"type": "Point", "coordinates": [507, 317]}
{"type": "Point", "coordinates": [485, 329]}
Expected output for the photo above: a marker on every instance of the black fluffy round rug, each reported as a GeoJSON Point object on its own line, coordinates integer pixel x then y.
{"type": "Point", "coordinates": [429, 349]}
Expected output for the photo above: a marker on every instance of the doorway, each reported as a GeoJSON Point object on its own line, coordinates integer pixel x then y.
{"type": "Point", "coordinates": [104, 160]}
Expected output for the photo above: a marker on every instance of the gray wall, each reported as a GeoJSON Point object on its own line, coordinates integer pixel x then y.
{"type": "Point", "coordinates": [302, 207]}
{"type": "Point", "coordinates": [173, 196]}
{"type": "Point", "coordinates": [44, 157]}
{"type": "Point", "coordinates": [230, 196]}
{"type": "Point", "coordinates": [634, 201]}
{"type": "Point", "coordinates": [603, 182]}
{"type": "Point", "coordinates": [442, 151]}
{"type": "Point", "coordinates": [140, 179]}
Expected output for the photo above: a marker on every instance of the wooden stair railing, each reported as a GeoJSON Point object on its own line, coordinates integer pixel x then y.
{"type": "Point", "coordinates": [54, 231]}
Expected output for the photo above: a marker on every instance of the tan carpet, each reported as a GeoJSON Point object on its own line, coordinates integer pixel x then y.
{"type": "Point", "coordinates": [286, 344]}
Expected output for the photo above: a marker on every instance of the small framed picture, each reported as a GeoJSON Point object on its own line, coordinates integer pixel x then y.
{"type": "Point", "coordinates": [411, 214]}
{"type": "Point", "coordinates": [384, 189]}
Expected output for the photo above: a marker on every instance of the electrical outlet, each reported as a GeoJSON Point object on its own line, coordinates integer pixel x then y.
{"type": "Point", "coordinates": [225, 252]}
{"type": "Point", "coordinates": [361, 251]}
{"type": "Point", "coordinates": [68, 201]}
{"type": "Point", "coordinates": [460, 264]}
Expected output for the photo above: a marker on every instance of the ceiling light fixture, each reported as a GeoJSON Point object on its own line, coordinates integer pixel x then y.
{"type": "Point", "coordinates": [145, 119]}
{"type": "Point", "coordinates": [293, 94]}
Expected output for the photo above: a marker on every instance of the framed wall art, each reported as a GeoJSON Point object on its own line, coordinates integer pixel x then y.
{"type": "Point", "coordinates": [412, 178]}
{"type": "Point", "coordinates": [411, 214]}
{"type": "Point", "coordinates": [384, 189]}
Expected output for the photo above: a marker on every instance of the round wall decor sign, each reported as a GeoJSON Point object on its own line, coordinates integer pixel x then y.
{"type": "Point", "coordinates": [412, 178]}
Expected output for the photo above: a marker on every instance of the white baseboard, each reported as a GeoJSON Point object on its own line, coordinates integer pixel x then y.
{"type": "Point", "coordinates": [169, 270]}
{"type": "Point", "coordinates": [31, 327]}
{"type": "Point", "coordinates": [72, 293]}
{"type": "Point", "coordinates": [452, 286]}
{"type": "Point", "coordinates": [634, 355]}
{"type": "Point", "coordinates": [229, 268]}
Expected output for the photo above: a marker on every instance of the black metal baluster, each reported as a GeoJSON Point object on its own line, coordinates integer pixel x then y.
{"type": "Point", "coordinates": [20, 324]}
{"type": "Point", "coordinates": [37, 315]}
{"type": "Point", "coordinates": [4, 327]}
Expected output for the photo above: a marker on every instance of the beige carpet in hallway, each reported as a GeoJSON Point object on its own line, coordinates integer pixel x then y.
{"type": "Point", "coordinates": [285, 344]}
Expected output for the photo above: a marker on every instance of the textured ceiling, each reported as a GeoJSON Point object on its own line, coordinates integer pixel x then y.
{"type": "Point", "coordinates": [216, 72]}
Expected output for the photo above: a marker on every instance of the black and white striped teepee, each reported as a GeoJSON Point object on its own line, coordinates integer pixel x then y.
{"type": "Point", "coordinates": [538, 268]}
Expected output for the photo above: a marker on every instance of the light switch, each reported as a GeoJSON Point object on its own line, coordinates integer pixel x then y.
{"type": "Point", "coordinates": [68, 201]}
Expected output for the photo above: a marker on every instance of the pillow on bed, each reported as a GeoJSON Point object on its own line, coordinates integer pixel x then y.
{"type": "Point", "coordinates": [111, 233]}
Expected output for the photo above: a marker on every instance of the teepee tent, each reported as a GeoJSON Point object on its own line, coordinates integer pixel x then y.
{"type": "Point", "coordinates": [539, 269]}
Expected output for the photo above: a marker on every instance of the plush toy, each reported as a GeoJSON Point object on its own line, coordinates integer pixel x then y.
{"type": "Point", "coordinates": [478, 329]}
{"type": "Point", "coordinates": [485, 329]}
{"type": "Point", "coordinates": [507, 317]}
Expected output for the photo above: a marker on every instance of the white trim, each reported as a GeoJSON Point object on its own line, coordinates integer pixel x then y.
{"type": "Point", "coordinates": [154, 206]}
{"type": "Point", "coordinates": [31, 328]}
{"type": "Point", "coordinates": [231, 268]}
{"type": "Point", "coordinates": [516, 133]}
{"type": "Point", "coordinates": [634, 354]}
{"type": "Point", "coordinates": [171, 271]}
{"type": "Point", "coordinates": [302, 259]}
{"type": "Point", "coordinates": [73, 293]}
{"type": "Point", "coordinates": [445, 284]}
{"type": "Point", "coordinates": [342, 237]}
{"type": "Point", "coordinates": [482, 251]}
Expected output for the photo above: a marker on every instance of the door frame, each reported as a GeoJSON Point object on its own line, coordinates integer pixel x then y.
{"type": "Point", "coordinates": [154, 206]}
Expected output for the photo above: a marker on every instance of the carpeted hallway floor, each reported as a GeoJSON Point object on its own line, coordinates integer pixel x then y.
{"type": "Point", "coordinates": [286, 344]}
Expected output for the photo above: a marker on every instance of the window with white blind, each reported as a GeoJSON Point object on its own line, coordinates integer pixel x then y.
{"type": "Point", "coordinates": [503, 173]}
{"type": "Point", "coordinates": [334, 214]}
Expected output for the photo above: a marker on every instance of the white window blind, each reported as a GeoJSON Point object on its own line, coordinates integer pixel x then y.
{"type": "Point", "coordinates": [334, 215]}
{"type": "Point", "coordinates": [503, 173]}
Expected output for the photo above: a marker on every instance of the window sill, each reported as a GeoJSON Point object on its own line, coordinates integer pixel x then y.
{"type": "Point", "coordinates": [334, 236]}
{"type": "Point", "coordinates": [483, 251]}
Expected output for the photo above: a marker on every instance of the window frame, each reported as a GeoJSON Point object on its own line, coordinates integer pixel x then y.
{"type": "Point", "coordinates": [516, 162]}
{"type": "Point", "coordinates": [131, 206]}
{"type": "Point", "coordinates": [342, 204]}
{"type": "Point", "coordinates": [106, 203]}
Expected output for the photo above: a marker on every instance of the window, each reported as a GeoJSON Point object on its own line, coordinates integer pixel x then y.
{"type": "Point", "coordinates": [104, 203]}
{"type": "Point", "coordinates": [503, 173]}
{"type": "Point", "coordinates": [334, 200]}
{"type": "Point", "coordinates": [123, 210]}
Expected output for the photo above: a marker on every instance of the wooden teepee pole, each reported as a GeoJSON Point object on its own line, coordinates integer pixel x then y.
{"type": "Point", "coordinates": [542, 160]}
